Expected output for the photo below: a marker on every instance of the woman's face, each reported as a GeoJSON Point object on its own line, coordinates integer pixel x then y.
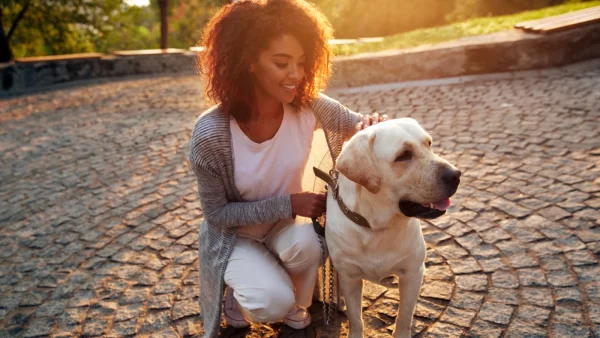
{"type": "Point", "coordinates": [279, 69]}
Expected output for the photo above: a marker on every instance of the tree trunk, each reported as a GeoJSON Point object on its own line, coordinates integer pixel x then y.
{"type": "Point", "coordinates": [5, 52]}
{"type": "Point", "coordinates": [163, 23]}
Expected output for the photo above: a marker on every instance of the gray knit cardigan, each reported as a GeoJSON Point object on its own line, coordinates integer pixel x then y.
{"type": "Point", "coordinates": [224, 211]}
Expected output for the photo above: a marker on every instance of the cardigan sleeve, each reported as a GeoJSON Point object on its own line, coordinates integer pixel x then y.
{"type": "Point", "coordinates": [219, 211]}
{"type": "Point", "coordinates": [331, 110]}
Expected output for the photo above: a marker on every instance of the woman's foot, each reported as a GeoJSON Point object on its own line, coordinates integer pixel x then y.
{"type": "Point", "coordinates": [233, 314]}
{"type": "Point", "coordinates": [298, 318]}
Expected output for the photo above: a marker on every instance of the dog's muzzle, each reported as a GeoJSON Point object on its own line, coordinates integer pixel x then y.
{"type": "Point", "coordinates": [412, 209]}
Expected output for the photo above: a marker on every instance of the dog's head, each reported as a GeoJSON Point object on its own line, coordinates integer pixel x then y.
{"type": "Point", "coordinates": [394, 160]}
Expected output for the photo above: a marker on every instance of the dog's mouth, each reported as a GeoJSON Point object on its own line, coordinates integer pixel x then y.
{"type": "Point", "coordinates": [425, 211]}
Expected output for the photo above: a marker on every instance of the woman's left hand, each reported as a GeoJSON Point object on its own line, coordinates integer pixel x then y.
{"type": "Point", "coordinates": [369, 120]}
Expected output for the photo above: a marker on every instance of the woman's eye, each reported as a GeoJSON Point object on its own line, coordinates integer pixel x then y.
{"type": "Point", "coordinates": [405, 156]}
{"type": "Point", "coordinates": [281, 65]}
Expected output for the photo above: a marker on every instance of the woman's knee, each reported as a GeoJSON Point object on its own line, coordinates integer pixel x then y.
{"type": "Point", "coordinates": [304, 251]}
{"type": "Point", "coordinates": [268, 305]}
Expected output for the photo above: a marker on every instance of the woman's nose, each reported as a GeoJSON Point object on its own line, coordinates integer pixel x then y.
{"type": "Point", "coordinates": [294, 73]}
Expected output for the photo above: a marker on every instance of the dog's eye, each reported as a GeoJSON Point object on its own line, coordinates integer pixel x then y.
{"type": "Point", "coordinates": [405, 156]}
{"type": "Point", "coordinates": [429, 141]}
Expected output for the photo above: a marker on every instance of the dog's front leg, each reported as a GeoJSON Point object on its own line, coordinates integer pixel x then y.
{"type": "Point", "coordinates": [352, 290]}
{"type": "Point", "coordinates": [409, 286]}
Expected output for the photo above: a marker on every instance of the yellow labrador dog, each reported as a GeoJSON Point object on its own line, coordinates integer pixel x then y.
{"type": "Point", "coordinates": [389, 175]}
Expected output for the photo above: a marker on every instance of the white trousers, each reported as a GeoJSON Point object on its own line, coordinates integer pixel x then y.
{"type": "Point", "coordinates": [269, 276]}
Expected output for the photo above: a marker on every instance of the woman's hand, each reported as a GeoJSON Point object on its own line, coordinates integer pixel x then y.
{"type": "Point", "coordinates": [308, 204]}
{"type": "Point", "coordinates": [369, 120]}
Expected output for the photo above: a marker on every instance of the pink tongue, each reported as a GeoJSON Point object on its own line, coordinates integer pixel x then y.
{"type": "Point", "coordinates": [443, 204]}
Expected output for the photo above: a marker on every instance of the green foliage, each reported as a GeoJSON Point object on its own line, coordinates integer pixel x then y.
{"type": "Point", "coordinates": [59, 26]}
{"type": "Point", "coordinates": [365, 18]}
{"type": "Point", "coordinates": [134, 28]}
{"type": "Point", "coordinates": [477, 26]}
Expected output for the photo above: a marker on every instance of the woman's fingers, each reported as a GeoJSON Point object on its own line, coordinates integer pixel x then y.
{"type": "Point", "coordinates": [374, 118]}
{"type": "Point", "coordinates": [366, 121]}
{"type": "Point", "coordinates": [358, 126]}
{"type": "Point", "coordinates": [369, 120]}
{"type": "Point", "coordinates": [319, 204]}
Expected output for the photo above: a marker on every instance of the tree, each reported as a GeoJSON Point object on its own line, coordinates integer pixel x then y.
{"type": "Point", "coordinates": [41, 27]}
{"type": "Point", "coordinates": [186, 19]}
{"type": "Point", "coordinates": [5, 51]}
{"type": "Point", "coordinates": [164, 27]}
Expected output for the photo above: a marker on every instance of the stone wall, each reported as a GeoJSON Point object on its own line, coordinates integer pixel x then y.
{"type": "Point", "coordinates": [500, 52]}
{"type": "Point", "coordinates": [42, 73]}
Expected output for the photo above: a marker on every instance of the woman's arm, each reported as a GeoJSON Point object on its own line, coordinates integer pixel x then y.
{"type": "Point", "coordinates": [219, 211]}
{"type": "Point", "coordinates": [349, 121]}
{"type": "Point", "coordinates": [329, 109]}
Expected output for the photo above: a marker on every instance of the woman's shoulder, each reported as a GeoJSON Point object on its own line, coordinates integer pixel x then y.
{"type": "Point", "coordinates": [324, 104]}
{"type": "Point", "coordinates": [209, 119]}
{"type": "Point", "coordinates": [209, 134]}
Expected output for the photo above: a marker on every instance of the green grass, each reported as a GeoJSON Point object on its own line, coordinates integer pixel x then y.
{"type": "Point", "coordinates": [458, 30]}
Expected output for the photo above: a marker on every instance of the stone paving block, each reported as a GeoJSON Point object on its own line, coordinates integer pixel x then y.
{"type": "Point", "coordinates": [463, 266]}
{"type": "Point", "coordinates": [373, 291]}
{"type": "Point", "coordinates": [504, 279]}
{"type": "Point", "coordinates": [520, 328]}
{"type": "Point", "coordinates": [483, 329]}
{"type": "Point", "coordinates": [568, 295]}
{"type": "Point", "coordinates": [531, 277]}
{"type": "Point", "coordinates": [437, 272]}
{"type": "Point", "coordinates": [569, 313]}
{"type": "Point", "coordinates": [491, 265]}
{"type": "Point", "coordinates": [458, 317]}
{"type": "Point", "coordinates": [582, 257]}
{"type": "Point", "coordinates": [467, 300]}
{"type": "Point", "coordinates": [533, 315]}
{"type": "Point", "coordinates": [427, 309]}
{"type": "Point", "coordinates": [477, 282]}
{"type": "Point", "coordinates": [496, 313]}
{"type": "Point", "coordinates": [190, 307]}
{"type": "Point", "coordinates": [439, 330]}
{"type": "Point", "coordinates": [437, 289]}
{"type": "Point", "coordinates": [552, 263]}
{"type": "Point", "coordinates": [505, 296]}
{"type": "Point", "coordinates": [39, 327]}
{"type": "Point", "coordinates": [564, 330]}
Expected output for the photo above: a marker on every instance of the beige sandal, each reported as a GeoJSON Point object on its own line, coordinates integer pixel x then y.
{"type": "Point", "coordinates": [298, 318]}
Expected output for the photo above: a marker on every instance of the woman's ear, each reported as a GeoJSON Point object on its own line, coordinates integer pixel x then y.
{"type": "Point", "coordinates": [251, 68]}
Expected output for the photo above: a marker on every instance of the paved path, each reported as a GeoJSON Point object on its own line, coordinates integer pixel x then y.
{"type": "Point", "coordinates": [99, 215]}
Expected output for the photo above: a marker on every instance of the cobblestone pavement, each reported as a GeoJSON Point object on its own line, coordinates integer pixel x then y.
{"type": "Point", "coordinates": [99, 215]}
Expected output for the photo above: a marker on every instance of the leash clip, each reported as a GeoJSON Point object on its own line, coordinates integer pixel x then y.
{"type": "Point", "coordinates": [334, 175]}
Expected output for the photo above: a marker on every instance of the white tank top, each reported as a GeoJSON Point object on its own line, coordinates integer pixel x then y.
{"type": "Point", "coordinates": [274, 167]}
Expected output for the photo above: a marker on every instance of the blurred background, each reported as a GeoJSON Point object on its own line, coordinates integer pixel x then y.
{"type": "Point", "coordinates": [52, 27]}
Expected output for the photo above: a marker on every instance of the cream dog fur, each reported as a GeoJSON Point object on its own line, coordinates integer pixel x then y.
{"type": "Point", "coordinates": [390, 176]}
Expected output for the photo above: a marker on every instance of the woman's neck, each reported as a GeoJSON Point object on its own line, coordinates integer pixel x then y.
{"type": "Point", "coordinates": [265, 107]}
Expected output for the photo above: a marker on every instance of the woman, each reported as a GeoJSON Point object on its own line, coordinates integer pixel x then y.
{"type": "Point", "coordinates": [264, 64]}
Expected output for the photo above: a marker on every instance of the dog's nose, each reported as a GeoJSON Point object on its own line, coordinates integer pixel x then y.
{"type": "Point", "coordinates": [451, 177]}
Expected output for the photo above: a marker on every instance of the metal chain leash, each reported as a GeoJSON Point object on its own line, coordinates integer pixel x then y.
{"type": "Point", "coordinates": [326, 288]}
{"type": "Point", "coordinates": [330, 298]}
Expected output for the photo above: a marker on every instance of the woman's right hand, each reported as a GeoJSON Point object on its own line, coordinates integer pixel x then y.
{"type": "Point", "coordinates": [308, 204]}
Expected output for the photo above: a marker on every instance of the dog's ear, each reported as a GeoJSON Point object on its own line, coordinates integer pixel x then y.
{"type": "Point", "coordinates": [357, 162]}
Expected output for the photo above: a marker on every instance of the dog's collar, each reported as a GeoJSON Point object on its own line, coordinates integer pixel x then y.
{"type": "Point", "coordinates": [332, 180]}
